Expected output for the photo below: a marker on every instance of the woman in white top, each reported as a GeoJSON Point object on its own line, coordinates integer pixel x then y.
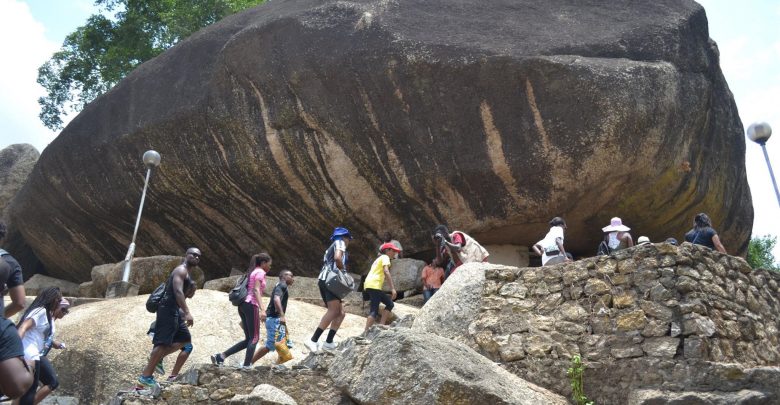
{"type": "Point", "coordinates": [551, 247]}
{"type": "Point", "coordinates": [34, 327]}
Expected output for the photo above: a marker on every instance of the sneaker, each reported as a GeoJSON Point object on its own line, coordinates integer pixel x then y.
{"type": "Point", "coordinates": [289, 344]}
{"type": "Point", "coordinates": [329, 346]}
{"type": "Point", "coordinates": [312, 346]}
{"type": "Point", "coordinates": [159, 369]}
{"type": "Point", "coordinates": [171, 378]}
{"type": "Point", "coordinates": [146, 383]}
{"type": "Point", "coordinates": [217, 360]}
{"type": "Point", "coordinates": [245, 368]}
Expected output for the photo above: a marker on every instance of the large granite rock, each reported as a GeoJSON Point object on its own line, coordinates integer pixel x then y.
{"type": "Point", "coordinates": [685, 320]}
{"type": "Point", "coordinates": [441, 372]}
{"type": "Point", "coordinates": [38, 282]}
{"type": "Point", "coordinates": [107, 345]}
{"type": "Point", "coordinates": [16, 163]}
{"type": "Point", "coordinates": [281, 122]}
{"type": "Point", "coordinates": [146, 272]}
{"type": "Point", "coordinates": [263, 394]}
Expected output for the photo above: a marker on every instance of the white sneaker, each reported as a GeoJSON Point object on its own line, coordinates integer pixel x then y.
{"type": "Point", "coordinates": [329, 346]}
{"type": "Point", "coordinates": [312, 346]}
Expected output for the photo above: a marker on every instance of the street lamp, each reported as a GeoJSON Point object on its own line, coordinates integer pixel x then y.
{"type": "Point", "coordinates": [151, 160]}
{"type": "Point", "coordinates": [760, 133]}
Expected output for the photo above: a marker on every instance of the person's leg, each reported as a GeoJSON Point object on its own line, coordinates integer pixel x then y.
{"type": "Point", "coordinates": [427, 294]}
{"type": "Point", "coordinates": [388, 301]}
{"type": "Point", "coordinates": [252, 315]}
{"type": "Point", "coordinates": [29, 397]}
{"type": "Point", "coordinates": [158, 353]}
{"type": "Point", "coordinates": [220, 357]}
{"type": "Point", "coordinates": [15, 375]}
{"type": "Point", "coordinates": [48, 379]}
{"type": "Point", "coordinates": [270, 338]}
{"type": "Point", "coordinates": [184, 354]}
{"type": "Point", "coordinates": [373, 308]}
{"type": "Point", "coordinates": [335, 324]}
{"type": "Point", "coordinates": [334, 308]}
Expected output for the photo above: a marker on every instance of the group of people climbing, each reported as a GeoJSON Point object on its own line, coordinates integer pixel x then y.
{"type": "Point", "coordinates": [26, 373]}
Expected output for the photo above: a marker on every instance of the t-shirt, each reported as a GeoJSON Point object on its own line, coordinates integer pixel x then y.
{"type": "Point", "coordinates": [433, 276]}
{"type": "Point", "coordinates": [329, 257]}
{"type": "Point", "coordinates": [15, 278]}
{"type": "Point", "coordinates": [702, 236]}
{"type": "Point", "coordinates": [280, 290]}
{"type": "Point", "coordinates": [548, 244]}
{"type": "Point", "coordinates": [35, 337]}
{"type": "Point", "coordinates": [10, 344]}
{"type": "Point", "coordinates": [257, 276]}
{"type": "Point", "coordinates": [376, 276]}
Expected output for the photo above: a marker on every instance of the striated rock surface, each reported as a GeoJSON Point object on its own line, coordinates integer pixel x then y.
{"type": "Point", "coordinates": [279, 123]}
{"type": "Point", "coordinates": [16, 163]}
{"type": "Point", "coordinates": [401, 366]}
{"type": "Point", "coordinates": [686, 320]}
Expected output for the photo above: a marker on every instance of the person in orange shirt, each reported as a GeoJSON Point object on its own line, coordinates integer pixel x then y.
{"type": "Point", "coordinates": [432, 277]}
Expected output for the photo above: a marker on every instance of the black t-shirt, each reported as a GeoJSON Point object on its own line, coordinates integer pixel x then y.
{"type": "Point", "coordinates": [15, 278]}
{"type": "Point", "coordinates": [279, 291]}
{"type": "Point", "coordinates": [702, 236]}
{"type": "Point", "coordinates": [10, 344]}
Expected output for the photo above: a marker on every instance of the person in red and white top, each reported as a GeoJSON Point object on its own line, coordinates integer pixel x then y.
{"type": "Point", "coordinates": [249, 311]}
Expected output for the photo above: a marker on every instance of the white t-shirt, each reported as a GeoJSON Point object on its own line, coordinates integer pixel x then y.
{"type": "Point", "coordinates": [35, 337]}
{"type": "Point", "coordinates": [339, 245]}
{"type": "Point", "coordinates": [548, 243]}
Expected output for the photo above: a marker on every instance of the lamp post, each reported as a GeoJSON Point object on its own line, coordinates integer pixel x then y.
{"type": "Point", "coordinates": [151, 160]}
{"type": "Point", "coordinates": [760, 133]}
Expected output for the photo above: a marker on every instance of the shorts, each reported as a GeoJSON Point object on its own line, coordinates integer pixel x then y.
{"type": "Point", "coordinates": [170, 328]}
{"type": "Point", "coordinates": [326, 295]}
{"type": "Point", "coordinates": [271, 324]}
{"type": "Point", "coordinates": [377, 296]}
{"type": "Point", "coordinates": [10, 343]}
{"type": "Point", "coordinates": [48, 375]}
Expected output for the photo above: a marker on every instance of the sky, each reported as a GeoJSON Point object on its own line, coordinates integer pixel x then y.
{"type": "Point", "coordinates": [748, 40]}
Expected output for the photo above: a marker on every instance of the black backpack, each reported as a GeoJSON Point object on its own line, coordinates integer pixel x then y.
{"type": "Point", "coordinates": [238, 294]}
{"type": "Point", "coordinates": [156, 297]}
{"type": "Point", "coordinates": [603, 249]}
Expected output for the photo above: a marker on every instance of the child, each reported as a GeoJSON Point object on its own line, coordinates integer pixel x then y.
{"type": "Point", "coordinates": [432, 278]}
{"type": "Point", "coordinates": [374, 282]}
{"type": "Point", "coordinates": [275, 313]}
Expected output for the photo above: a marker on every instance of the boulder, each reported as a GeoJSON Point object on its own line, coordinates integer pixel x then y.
{"type": "Point", "coordinates": [659, 397]}
{"type": "Point", "coordinates": [406, 275]}
{"type": "Point", "coordinates": [491, 119]}
{"type": "Point", "coordinates": [87, 290]}
{"type": "Point", "coordinates": [224, 284]}
{"type": "Point", "coordinates": [457, 303]}
{"type": "Point", "coordinates": [38, 282]}
{"type": "Point", "coordinates": [263, 394]}
{"type": "Point", "coordinates": [146, 272]}
{"type": "Point", "coordinates": [107, 345]}
{"type": "Point", "coordinates": [443, 372]}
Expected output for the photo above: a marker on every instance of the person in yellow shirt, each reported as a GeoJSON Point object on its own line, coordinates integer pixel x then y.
{"type": "Point", "coordinates": [374, 282]}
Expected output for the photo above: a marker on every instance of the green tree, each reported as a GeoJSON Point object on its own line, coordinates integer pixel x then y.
{"type": "Point", "coordinates": [103, 51]}
{"type": "Point", "coordinates": [760, 253]}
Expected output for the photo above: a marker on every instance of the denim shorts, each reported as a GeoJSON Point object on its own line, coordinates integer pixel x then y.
{"type": "Point", "coordinates": [271, 324]}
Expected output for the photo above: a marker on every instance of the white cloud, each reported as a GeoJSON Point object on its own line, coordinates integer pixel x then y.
{"type": "Point", "coordinates": [23, 42]}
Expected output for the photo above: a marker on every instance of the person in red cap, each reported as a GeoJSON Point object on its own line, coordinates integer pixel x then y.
{"type": "Point", "coordinates": [375, 280]}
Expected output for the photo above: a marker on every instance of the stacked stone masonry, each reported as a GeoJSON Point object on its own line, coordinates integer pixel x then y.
{"type": "Point", "coordinates": [651, 316]}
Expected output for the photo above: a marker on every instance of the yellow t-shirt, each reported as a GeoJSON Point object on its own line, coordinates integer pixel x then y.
{"type": "Point", "coordinates": [376, 276]}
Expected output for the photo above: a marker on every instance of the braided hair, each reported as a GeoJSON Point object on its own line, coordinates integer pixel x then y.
{"type": "Point", "coordinates": [49, 299]}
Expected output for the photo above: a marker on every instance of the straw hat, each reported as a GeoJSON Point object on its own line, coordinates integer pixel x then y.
{"type": "Point", "coordinates": [615, 225]}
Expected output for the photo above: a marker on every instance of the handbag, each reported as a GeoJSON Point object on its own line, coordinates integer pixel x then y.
{"type": "Point", "coordinates": [339, 282]}
{"type": "Point", "coordinates": [280, 343]}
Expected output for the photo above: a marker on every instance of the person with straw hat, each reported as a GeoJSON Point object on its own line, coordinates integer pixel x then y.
{"type": "Point", "coordinates": [616, 237]}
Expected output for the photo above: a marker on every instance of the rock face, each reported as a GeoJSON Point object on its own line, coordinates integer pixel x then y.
{"type": "Point", "coordinates": [146, 272]}
{"type": "Point", "coordinates": [684, 320]}
{"type": "Point", "coordinates": [279, 123]}
{"type": "Point", "coordinates": [38, 282]}
{"type": "Point", "coordinates": [379, 373]}
{"type": "Point", "coordinates": [107, 343]}
{"type": "Point", "coordinates": [263, 394]}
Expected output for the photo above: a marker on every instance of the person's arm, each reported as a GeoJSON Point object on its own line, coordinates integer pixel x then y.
{"type": "Point", "coordinates": [25, 326]}
{"type": "Point", "coordinates": [424, 276]}
{"type": "Point", "coordinates": [629, 240]}
{"type": "Point", "coordinates": [57, 344]}
{"type": "Point", "coordinates": [178, 290]}
{"type": "Point", "coordinates": [338, 257]}
{"type": "Point", "coordinates": [559, 242]}
{"type": "Point", "coordinates": [390, 281]}
{"type": "Point", "coordinates": [17, 300]}
{"type": "Point", "coordinates": [537, 249]}
{"type": "Point", "coordinates": [15, 377]}
{"type": "Point", "coordinates": [258, 292]}
{"type": "Point", "coordinates": [279, 309]}
{"type": "Point", "coordinates": [718, 245]}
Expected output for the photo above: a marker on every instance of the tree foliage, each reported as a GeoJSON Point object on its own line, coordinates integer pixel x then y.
{"type": "Point", "coordinates": [760, 253]}
{"type": "Point", "coordinates": [103, 51]}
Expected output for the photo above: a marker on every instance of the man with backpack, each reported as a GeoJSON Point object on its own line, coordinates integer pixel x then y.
{"type": "Point", "coordinates": [456, 248]}
{"type": "Point", "coordinates": [14, 286]}
{"type": "Point", "coordinates": [173, 318]}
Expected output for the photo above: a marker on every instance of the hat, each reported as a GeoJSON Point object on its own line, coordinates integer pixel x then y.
{"type": "Point", "coordinates": [64, 303]}
{"type": "Point", "coordinates": [339, 232]}
{"type": "Point", "coordinates": [615, 225]}
{"type": "Point", "coordinates": [672, 241]}
{"type": "Point", "coordinates": [642, 240]}
{"type": "Point", "coordinates": [389, 245]}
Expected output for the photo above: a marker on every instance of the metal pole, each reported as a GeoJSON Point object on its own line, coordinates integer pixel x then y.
{"type": "Point", "coordinates": [131, 249]}
{"type": "Point", "coordinates": [771, 173]}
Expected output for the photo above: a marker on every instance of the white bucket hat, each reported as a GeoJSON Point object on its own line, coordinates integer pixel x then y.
{"type": "Point", "coordinates": [615, 225]}
{"type": "Point", "coordinates": [642, 240]}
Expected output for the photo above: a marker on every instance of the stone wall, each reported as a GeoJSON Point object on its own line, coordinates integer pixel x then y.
{"type": "Point", "coordinates": [651, 316]}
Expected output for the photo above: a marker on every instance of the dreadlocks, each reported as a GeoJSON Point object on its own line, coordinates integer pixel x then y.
{"type": "Point", "coordinates": [48, 299]}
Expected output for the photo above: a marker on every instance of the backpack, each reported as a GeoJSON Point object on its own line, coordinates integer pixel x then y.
{"type": "Point", "coordinates": [238, 294]}
{"type": "Point", "coordinates": [603, 249]}
{"type": "Point", "coordinates": [156, 297]}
